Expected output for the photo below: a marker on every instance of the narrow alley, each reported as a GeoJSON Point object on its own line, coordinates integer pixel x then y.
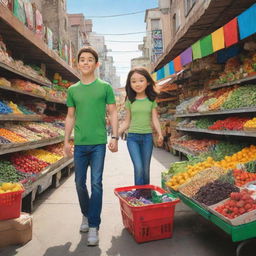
{"type": "Point", "coordinates": [57, 218]}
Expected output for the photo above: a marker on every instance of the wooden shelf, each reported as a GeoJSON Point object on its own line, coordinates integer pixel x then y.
{"type": "Point", "coordinates": [48, 171]}
{"type": "Point", "coordinates": [30, 94]}
{"type": "Point", "coordinates": [21, 40]}
{"type": "Point", "coordinates": [240, 81]}
{"type": "Point", "coordinates": [221, 112]}
{"type": "Point", "coordinates": [232, 133]}
{"type": "Point", "coordinates": [15, 117]}
{"type": "Point", "coordinates": [5, 67]}
{"type": "Point", "coordinates": [16, 147]}
{"type": "Point", "coordinates": [184, 151]}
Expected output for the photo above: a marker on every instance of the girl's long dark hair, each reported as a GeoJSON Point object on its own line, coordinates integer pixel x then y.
{"type": "Point", "coordinates": [150, 90]}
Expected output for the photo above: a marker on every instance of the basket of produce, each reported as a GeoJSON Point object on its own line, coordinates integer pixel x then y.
{"type": "Point", "coordinates": [147, 211]}
{"type": "Point", "coordinates": [10, 200]}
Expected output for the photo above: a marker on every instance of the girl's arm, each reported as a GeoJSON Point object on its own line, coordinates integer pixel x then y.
{"type": "Point", "coordinates": [157, 126]}
{"type": "Point", "coordinates": [126, 123]}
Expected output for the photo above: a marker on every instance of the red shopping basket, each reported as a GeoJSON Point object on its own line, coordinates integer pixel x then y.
{"type": "Point", "coordinates": [149, 222]}
{"type": "Point", "coordinates": [10, 205]}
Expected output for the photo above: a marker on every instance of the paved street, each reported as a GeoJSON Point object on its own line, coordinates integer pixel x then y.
{"type": "Point", "coordinates": [57, 219]}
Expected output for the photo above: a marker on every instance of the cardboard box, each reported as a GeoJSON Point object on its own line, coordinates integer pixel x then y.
{"type": "Point", "coordinates": [16, 231]}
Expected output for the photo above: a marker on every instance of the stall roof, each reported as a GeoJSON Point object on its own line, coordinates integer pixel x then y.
{"type": "Point", "coordinates": [217, 14]}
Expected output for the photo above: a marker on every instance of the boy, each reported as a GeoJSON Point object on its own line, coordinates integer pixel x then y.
{"type": "Point", "coordinates": [87, 102]}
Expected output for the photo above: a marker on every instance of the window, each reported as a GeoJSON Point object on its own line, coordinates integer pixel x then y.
{"type": "Point", "coordinates": [63, 4]}
{"type": "Point", "coordinates": [188, 5]}
{"type": "Point", "coordinates": [155, 24]}
{"type": "Point", "coordinates": [176, 22]}
{"type": "Point", "coordinates": [65, 24]}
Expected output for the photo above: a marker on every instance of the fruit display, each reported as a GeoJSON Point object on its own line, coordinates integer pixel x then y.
{"type": "Point", "coordinates": [202, 178]}
{"type": "Point", "coordinates": [244, 96]}
{"type": "Point", "coordinates": [29, 131]}
{"type": "Point", "coordinates": [196, 146]}
{"type": "Point", "coordinates": [191, 171]}
{"type": "Point", "coordinates": [15, 108]}
{"type": "Point", "coordinates": [245, 155]}
{"type": "Point", "coordinates": [8, 173]}
{"type": "Point", "coordinates": [5, 109]}
{"type": "Point", "coordinates": [27, 163]}
{"type": "Point", "coordinates": [214, 192]}
{"type": "Point", "coordinates": [250, 124]}
{"type": "Point", "coordinates": [225, 98]}
{"type": "Point", "coordinates": [25, 133]}
{"type": "Point", "coordinates": [11, 136]}
{"type": "Point", "coordinates": [204, 123]}
{"type": "Point", "coordinates": [225, 148]}
{"type": "Point", "coordinates": [242, 177]}
{"type": "Point", "coordinates": [44, 155]}
{"type": "Point", "coordinates": [238, 204]}
{"type": "Point", "coordinates": [230, 123]}
{"type": "Point", "coordinates": [7, 187]}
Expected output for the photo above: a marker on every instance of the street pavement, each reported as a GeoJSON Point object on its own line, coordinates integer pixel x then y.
{"type": "Point", "coordinates": [57, 217]}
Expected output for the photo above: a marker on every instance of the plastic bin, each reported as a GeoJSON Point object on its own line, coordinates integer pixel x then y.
{"type": "Point", "coordinates": [10, 205]}
{"type": "Point", "coordinates": [150, 222]}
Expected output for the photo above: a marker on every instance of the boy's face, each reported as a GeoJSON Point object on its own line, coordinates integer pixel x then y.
{"type": "Point", "coordinates": [87, 63]}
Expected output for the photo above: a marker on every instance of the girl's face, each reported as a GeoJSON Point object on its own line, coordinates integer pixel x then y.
{"type": "Point", "coordinates": [87, 63]}
{"type": "Point", "coordinates": [138, 82]}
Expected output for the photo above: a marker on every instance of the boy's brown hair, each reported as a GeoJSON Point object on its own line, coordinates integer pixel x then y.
{"type": "Point", "coordinates": [90, 50]}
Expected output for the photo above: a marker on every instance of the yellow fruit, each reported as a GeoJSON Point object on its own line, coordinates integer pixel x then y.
{"type": "Point", "coordinates": [7, 186]}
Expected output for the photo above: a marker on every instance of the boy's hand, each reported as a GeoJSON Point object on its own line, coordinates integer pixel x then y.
{"type": "Point", "coordinates": [67, 150]}
{"type": "Point", "coordinates": [113, 145]}
{"type": "Point", "coordinates": [160, 140]}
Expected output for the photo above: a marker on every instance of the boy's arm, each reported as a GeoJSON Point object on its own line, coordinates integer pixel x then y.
{"type": "Point", "coordinates": [112, 110]}
{"type": "Point", "coordinates": [69, 125]}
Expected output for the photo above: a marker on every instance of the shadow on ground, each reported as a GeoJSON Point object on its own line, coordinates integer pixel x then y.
{"type": "Point", "coordinates": [193, 236]}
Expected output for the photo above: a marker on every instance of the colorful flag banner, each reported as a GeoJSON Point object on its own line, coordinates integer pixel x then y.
{"type": "Point", "coordinates": [171, 68]}
{"type": "Point", "coordinates": [186, 56]}
{"type": "Point", "coordinates": [177, 64]}
{"type": "Point", "coordinates": [154, 76]}
{"type": "Point", "coordinates": [196, 49]}
{"type": "Point", "coordinates": [160, 73]}
{"type": "Point", "coordinates": [231, 32]}
{"type": "Point", "coordinates": [218, 42]}
{"type": "Point", "coordinates": [206, 45]}
{"type": "Point", "coordinates": [247, 22]}
{"type": "Point", "coordinates": [166, 70]}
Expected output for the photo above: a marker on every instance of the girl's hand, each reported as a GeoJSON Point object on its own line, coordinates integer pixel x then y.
{"type": "Point", "coordinates": [160, 140]}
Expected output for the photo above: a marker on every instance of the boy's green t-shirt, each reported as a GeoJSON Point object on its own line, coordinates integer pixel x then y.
{"type": "Point", "coordinates": [141, 115]}
{"type": "Point", "coordinates": [89, 101]}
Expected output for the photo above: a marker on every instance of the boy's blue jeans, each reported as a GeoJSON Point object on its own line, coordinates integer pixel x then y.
{"type": "Point", "coordinates": [140, 147]}
{"type": "Point", "coordinates": [93, 156]}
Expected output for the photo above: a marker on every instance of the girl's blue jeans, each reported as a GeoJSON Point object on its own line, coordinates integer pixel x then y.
{"type": "Point", "coordinates": [93, 156]}
{"type": "Point", "coordinates": [140, 147]}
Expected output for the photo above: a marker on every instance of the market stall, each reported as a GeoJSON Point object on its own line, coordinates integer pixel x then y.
{"type": "Point", "coordinates": [216, 130]}
{"type": "Point", "coordinates": [33, 84]}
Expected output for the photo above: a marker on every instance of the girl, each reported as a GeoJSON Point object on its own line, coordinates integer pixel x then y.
{"type": "Point", "coordinates": [140, 113]}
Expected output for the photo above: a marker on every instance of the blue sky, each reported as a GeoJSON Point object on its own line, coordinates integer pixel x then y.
{"type": "Point", "coordinates": [116, 25]}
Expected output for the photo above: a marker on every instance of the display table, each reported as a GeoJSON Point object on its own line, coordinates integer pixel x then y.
{"type": "Point", "coordinates": [242, 233]}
